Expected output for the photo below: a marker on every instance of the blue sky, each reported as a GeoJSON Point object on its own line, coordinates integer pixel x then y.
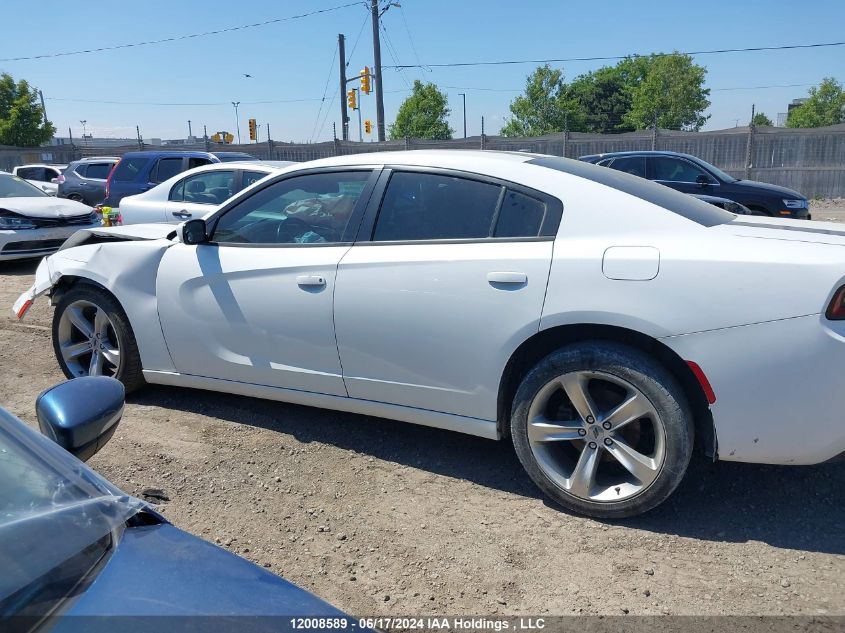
{"type": "Point", "coordinates": [291, 60]}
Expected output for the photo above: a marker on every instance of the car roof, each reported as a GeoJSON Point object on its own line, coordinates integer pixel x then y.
{"type": "Point", "coordinates": [644, 152]}
{"type": "Point", "coordinates": [56, 165]}
{"type": "Point", "coordinates": [89, 159]}
{"type": "Point", "coordinates": [169, 152]}
{"type": "Point", "coordinates": [452, 158]}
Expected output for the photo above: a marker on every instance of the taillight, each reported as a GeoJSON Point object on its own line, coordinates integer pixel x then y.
{"type": "Point", "coordinates": [836, 309]}
{"type": "Point", "coordinates": [108, 179]}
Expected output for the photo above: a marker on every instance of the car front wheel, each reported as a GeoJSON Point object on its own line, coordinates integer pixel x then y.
{"type": "Point", "coordinates": [602, 429]}
{"type": "Point", "coordinates": [92, 337]}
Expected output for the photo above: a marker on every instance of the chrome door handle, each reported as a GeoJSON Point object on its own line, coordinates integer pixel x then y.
{"type": "Point", "coordinates": [311, 280]}
{"type": "Point", "coordinates": [182, 214]}
{"type": "Point", "coordinates": [507, 278]}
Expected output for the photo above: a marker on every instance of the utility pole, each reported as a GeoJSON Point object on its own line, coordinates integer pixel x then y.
{"type": "Point", "coordinates": [463, 94]}
{"type": "Point", "coordinates": [205, 137]}
{"type": "Point", "coordinates": [360, 127]}
{"type": "Point", "coordinates": [235, 104]}
{"type": "Point", "coordinates": [344, 116]}
{"type": "Point", "coordinates": [43, 107]}
{"type": "Point", "coordinates": [749, 145]}
{"type": "Point", "coordinates": [377, 70]}
{"type": "Point", "coordinates": [190, 133]}
{"type": "Point", "coordinates": [140, 140]}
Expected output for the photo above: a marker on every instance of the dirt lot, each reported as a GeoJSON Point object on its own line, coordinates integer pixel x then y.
{"type": "Point", "coordinates": [386, 518]}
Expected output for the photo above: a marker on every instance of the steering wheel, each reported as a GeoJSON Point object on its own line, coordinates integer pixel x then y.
{"type": "Point", "coordinates": [289, 228]}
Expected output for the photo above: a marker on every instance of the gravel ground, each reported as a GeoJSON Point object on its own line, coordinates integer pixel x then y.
{"type": "Point", "coordinates": [386, 518]}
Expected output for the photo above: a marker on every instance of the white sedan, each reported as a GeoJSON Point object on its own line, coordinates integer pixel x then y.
{"type": "Point", "coordinates": [603, 323]}
{"type": "Point", "coordinates": [194, 193]}
{"type": "Point", "coordinates": [45, 177]}
{"type": "Point", "coordinates": [34, 223]}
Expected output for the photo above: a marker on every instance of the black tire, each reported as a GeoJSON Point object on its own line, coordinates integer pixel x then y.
{"type": "Point", "coordinates": [76, 197]}
{"type": "Point", "coordinates": [129, 371]}
{"type": "Point", "coordinates": [642, 372]}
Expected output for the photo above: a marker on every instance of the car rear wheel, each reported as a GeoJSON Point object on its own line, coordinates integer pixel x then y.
{"type": "Point", "coordinates": [602, 429]}
{"type": "Point", "coordinates": [76, 197]}
{"type": "Point", "coordinates": [92, 337]}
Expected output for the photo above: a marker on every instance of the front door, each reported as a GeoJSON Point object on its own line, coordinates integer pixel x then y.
{"type": "Point", "coordinates": [446, 283]}
{"type": "Point", "coordinates": [254, 304]}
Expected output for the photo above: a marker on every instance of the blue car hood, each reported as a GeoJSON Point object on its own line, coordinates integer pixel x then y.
{"type": "Point", "coordinates": [159, 570]}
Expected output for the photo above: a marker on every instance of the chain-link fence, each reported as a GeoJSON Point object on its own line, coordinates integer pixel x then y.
{"type": "Point", "coordinates": [811, 161]}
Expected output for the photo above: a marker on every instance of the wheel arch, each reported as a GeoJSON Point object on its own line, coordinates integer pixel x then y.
{"type": "Point", "coordinates": [543, 342]}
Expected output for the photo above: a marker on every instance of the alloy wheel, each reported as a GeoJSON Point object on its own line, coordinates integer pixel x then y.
{"type": "Point", "coordinates": [596, 436]}
{"type": "Point", "coordinates": [88, 341]}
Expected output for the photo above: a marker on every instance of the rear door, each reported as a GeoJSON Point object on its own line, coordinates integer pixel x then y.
{"type": "Point", "coordinates": [448, 275]}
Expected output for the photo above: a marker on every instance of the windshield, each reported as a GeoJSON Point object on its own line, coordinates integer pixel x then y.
{"type": "Point", "coordinates": [56, 518]}
{"type": "Point", "coordinates": [15, 187]}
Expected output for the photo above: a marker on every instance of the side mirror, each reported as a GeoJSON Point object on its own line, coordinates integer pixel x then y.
{"type": "Point", "coordinates": [703, 180]}
{"type": "Point", "coordinates": [194, 232]}
{"type": "Point", "coordinates": [55, 181]}
{"type": "Point", "coordinates": [81, 415]}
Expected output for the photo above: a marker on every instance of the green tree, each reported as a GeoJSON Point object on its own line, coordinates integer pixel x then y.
{"type": "Point", "coordinates": [825, 106]}
{"type": "Point", "coordinates": [599, 100]}
{"type": "Point", "coordinates": [541, 109]}
{"type": "Point", "coordinates": [761, 119]}
{"type": "Point", "coordinates": [423, 115]}
{"type": "Point", "coordinates": [672, 93]}
{"type": "Point", "coordinates": [21, 115]}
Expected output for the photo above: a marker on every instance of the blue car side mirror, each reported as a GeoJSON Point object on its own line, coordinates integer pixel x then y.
{"type": "Point", "coordinates": [81, 415]}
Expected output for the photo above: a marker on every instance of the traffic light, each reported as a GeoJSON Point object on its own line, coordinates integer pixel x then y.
{"type": "Point", "coordinates": [365, 80]}
{"type": "Point", "coordinates": [351, 101]}
{"type": "Point", "coordinates": [253, 130]}
{"type": "Point", "coordinates": [368, 126]}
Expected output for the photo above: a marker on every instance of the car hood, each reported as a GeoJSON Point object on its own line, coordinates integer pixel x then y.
{"type": "Point", "coordinates": [130, 232]}
{"type": "Point", "coordinates": [830, 233]}
{"type": "Point", "coordinates": [774, 189]}
{"type": "Point", "coordinates": [159, 570]}
{"type": "Point", "coordinates": [45, 207]}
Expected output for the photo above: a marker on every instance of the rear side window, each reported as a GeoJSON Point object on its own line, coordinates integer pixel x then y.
{"type": "Point", "coordinates": [197, 162]}
{"type": "Point", "coordinates": [128, 169]}
{"type": "Point", "coordinates": [252, 177]}
{"type": "Point", "coordinates": [80, 169]}
{"type": "Point", "coordinates": [634, 165]}
{"type": "Point", "coordinates": [520, 216]}
{"type": "Point", "coordinates": [99, 171]}
{"type": "Point", "coordinates": [166, 168]}
{"type": "Point", "coordinates": [435, 207]}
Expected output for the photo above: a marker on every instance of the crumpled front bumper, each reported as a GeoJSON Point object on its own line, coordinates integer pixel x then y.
{"type": "Point", "coordinates": [44, 281]}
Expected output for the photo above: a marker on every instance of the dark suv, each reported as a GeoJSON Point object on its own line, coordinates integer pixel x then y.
{"type": "Point", "coordinates": [692, 175]}
{"type": "Point", "coordinates": [85, 180]}
{"type": "Point", "coordinates": [137, 172]}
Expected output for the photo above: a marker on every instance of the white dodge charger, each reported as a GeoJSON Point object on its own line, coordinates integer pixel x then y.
{"type": "Point", "coordinates": [604, 323]}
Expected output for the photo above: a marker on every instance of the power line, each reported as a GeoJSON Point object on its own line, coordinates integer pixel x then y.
{"type": "Point", "coordinates": [410, 38]}
{"type": "Point", "coordinates": [325, 89]}
{"type": "Point", "coordinates": [360, 31]}
{"type": "Point", "coordinates": [178, 38]}
{"type": "Point", "coordinates": [394, 56]}
{"type": "Point", "coordinates": [612, 58]}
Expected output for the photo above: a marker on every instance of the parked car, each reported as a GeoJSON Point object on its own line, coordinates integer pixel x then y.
{"type": "Point", "coordinates": [34, 223]}
{"type": "Point", "coordinates": [137, 172]}
{"type": "Point", "coordinates": [228, 157]}
{"type": "Point", "coordinates": [603, 322]}
{"type": "Point", "coordinates": [85, 180]}
{"type": "Point", "coordinates": [75, 545]}
{"type": "Point", "coordinates": [724, 203]}
{"type": "Point", "coordinates": [195, 192]}
{"type": "Point", "coordinates": [692, 175]}
{"type": "Point", "coordinates": [45, 177]}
